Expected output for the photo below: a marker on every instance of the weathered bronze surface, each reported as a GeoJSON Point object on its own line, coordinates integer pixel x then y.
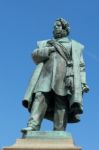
{"type": "Point", "coordinates": [57, 85]}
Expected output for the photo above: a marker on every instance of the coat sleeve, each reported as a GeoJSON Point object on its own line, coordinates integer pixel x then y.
{"type": "Point", "coordinates": [82, 70]}
{"type": "Point", "coordinates": [41, 54]}
{"type": "Point", "coordinates": [85, 87]}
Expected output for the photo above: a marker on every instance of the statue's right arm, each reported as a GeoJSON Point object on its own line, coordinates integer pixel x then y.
{"type": "Point", "coordinates": [42, 54]}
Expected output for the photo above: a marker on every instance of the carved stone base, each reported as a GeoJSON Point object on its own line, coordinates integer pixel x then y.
{"type": "Point", "coordinates": [38, 140]}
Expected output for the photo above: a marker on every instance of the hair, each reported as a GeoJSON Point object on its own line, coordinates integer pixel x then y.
{"type": "Point", "coordinates": [65, 26]}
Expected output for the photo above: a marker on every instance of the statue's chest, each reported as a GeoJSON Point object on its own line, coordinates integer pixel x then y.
{"type": "Point", "coordinates": [67, 46]}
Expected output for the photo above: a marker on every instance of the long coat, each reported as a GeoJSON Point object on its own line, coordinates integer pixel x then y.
{"type": "Point", "coordinates": [75, 101]}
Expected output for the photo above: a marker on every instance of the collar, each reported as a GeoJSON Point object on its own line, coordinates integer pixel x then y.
{"type": "Point", "coordinates": [63, 40]}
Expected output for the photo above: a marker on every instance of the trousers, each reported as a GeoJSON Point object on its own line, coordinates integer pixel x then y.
{"type": "Point", "coordinates": [40, 106]}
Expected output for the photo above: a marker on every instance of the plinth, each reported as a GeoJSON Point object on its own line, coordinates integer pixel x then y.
{"type": "Point", "coordinates": [39, 140]}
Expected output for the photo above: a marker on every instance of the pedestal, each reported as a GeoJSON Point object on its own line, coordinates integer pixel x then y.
{"type": "Point", "coordinates": [38, 140]}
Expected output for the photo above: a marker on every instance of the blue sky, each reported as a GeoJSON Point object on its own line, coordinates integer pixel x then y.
{"type": "Point", "coordinates": [22, 23]}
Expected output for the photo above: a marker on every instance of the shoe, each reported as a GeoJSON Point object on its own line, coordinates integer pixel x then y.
{"type": "Point", "coordinates": [27, 129]}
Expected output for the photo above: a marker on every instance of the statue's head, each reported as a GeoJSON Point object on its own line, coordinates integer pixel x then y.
{"type": "Point", "coordinates": [61, 28]}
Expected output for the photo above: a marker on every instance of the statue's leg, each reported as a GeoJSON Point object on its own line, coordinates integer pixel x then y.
{"type": "Point", "coordinates": [37, 112]}
{"type": "Point", "coordinates": [60, 113]}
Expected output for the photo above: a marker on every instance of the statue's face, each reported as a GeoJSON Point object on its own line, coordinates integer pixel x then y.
{"type": "Point", "coordinates": [57, 29]}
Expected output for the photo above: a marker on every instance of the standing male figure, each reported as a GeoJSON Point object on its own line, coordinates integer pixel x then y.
{"type": "Point", "coordinates": [59, 81]}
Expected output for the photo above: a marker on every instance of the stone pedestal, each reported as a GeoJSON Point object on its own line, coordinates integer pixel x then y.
{"type": "Point", "coordinates": [38, 140]}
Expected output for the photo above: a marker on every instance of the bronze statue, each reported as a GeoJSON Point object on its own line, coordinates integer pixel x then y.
{"type": "Point", "coordinates": [56, 88]}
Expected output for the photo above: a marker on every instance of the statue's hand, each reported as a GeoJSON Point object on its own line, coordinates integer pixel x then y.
{"type": "Point", "coordinates": [51, 46]}
{"type": "Point", "coordinates": [51, 42]}
{"type": "Point", "coordinates": [85, 88]}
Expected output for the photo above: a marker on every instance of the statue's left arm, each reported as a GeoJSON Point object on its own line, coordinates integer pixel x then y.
{"type": "Point", "coordinates": [85, 87]}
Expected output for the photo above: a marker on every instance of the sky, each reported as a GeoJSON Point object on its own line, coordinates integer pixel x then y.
{"type": "Point", "coordinates": [22, 24]}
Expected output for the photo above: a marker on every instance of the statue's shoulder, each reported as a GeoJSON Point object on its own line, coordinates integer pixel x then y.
{"type": "Point", "coordinates": [77, 44]}
{"type": "Point", "coordinates": [42, 43]}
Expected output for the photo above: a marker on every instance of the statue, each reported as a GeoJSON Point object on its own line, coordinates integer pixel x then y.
{"type": "Point", "coordinates": [58, 83]}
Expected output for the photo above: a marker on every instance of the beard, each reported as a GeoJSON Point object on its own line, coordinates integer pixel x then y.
{"type": "Point", "coordinates": [59, 34]}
